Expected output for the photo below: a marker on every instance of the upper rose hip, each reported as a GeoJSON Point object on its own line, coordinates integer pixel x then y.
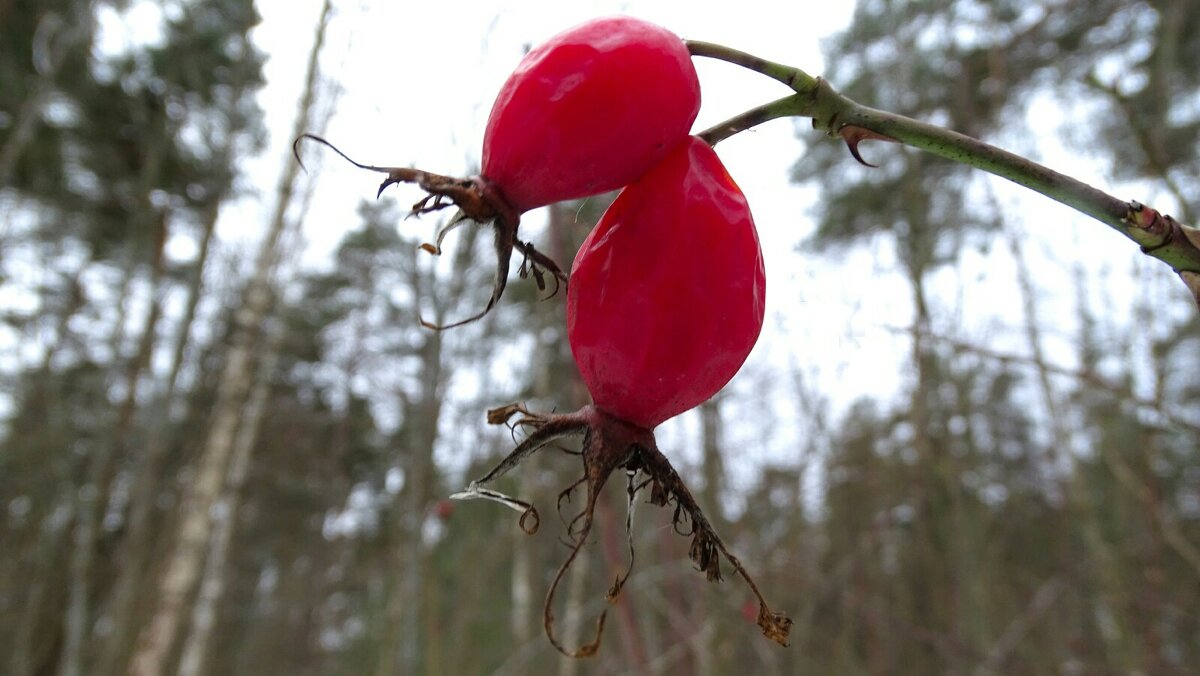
{"type": "Point", "coordinates": [668, 291]}
{"type": "Point", "coordinates": [589, 111]}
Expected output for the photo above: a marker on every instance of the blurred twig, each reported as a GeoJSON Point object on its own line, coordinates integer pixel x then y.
{"type": "Point", "coordinates": [1083, 375]}
{"type": "Point", "coordinates": [1010, 639]}
{"type": "Point", "coordinates": [1158, 235]}
{"type": "Point", "coordinates": [1124, 474]}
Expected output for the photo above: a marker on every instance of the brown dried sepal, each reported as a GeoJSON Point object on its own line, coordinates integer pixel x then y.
{"type": "Point", "coordinates": [610, 444]}
{"type": "Point", "coordinates": [775, 625]}
{"type": "Point", "coordinates": [479, 202]}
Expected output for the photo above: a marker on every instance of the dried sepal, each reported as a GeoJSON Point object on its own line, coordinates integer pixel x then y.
{"type": "Point", "coordinates": [502, 414]}
{"type": "Point", "coordinates": [528, 511]}
{"type": "Point", "coordinates": [478, 201]}
{"type": "Point", "coordinates": [775, 625]}
{"type": "Point", "coordinates": [706, 548]}
{"type": "Point", "coordinates": [455, 221]}
{"type": "Point", "coordinates": [703, 553]}
{"type": "Point", "coordinates": [610, 444]}
{"type": "Point", "coordinates": [631, 490]}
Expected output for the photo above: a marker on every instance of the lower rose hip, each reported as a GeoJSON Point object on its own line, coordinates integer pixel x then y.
{"type": "Point", "coordinates": [665, 303]}
{"type": "Point", "coordinates": [667, 293]}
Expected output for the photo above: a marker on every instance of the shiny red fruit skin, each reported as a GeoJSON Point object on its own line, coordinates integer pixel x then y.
{"type": "Point", "coordinates": [589, 111]}
{"type": "Point", "coordinates": [667, 293]}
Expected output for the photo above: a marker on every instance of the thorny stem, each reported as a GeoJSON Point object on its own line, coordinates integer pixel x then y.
{"type": "Point", "coordinates": [1158, 235]}
{"type": "Point", "coordinates": [610, 444]}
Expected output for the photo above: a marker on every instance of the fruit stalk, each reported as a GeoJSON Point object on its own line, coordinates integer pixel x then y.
{"type": "Point", "coordinates": [1175, 244]}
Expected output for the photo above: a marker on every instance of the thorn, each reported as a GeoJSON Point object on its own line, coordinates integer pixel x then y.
{"type": "Point", "coordinates": [853, 135]}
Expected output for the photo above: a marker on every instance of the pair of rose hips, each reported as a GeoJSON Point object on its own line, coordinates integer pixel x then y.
{"type": "Point", "coordinates": [666, 296]}
{"type": "Point", "coordinates": [667, 293]}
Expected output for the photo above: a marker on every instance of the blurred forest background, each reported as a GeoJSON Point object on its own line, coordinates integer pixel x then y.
{"type": "Point", "coordinates": [214, 460]}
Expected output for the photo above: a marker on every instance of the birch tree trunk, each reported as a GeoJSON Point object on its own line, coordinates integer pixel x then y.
{"type": "Point", "coordinates": [183, 566]}
{"type": "Point", "coordinates": [707, 652]}
{"type": "Point", "coordinates": [134, 549]}
{"type": "Point", "coordinates": [212, 586]}
{"type": "Point", "coordinates": [400, 650]}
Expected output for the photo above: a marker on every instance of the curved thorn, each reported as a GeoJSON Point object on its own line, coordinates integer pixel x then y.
{"type": "Point", "coordinates": [853, 135]}
{"type": "Point", "coordinates": [853, 147]}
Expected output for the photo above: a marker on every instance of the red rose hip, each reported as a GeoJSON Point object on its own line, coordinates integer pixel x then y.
{"type": "Point", "coordinates": [667, 293]}
{"type": "Point", "coordinates": [665, 303]}
{"type": "Point", "coordinates": [589, 111]}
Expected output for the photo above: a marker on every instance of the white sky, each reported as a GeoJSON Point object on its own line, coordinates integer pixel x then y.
{"type": "Point", "coordinates": [417, 82]}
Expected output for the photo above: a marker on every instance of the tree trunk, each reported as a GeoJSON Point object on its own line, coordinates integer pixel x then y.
{"type": "Point", "coordinates": [54, 39]}
{"type": "Point", "coordinates": [102, 463]}
{"type": "Point", "coordinates": [183, 564]}
{"type": "Point", "coordinates": [134, 549]}
{"type": "Point", "coordinates": [41, 600]}
{"type": "Point", "coordinates": [212, 586]}
{"type": "Point", "coordinates": [713, 469]}
{"type": "Point", "coordinates": [400, 651]}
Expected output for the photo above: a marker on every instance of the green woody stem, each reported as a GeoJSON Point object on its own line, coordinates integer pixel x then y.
{"type": "Point", "coordinates": [1158, 235]}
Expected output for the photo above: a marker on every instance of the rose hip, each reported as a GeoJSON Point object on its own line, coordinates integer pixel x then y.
{"type": "Point", "coordinates": [667, 293]}
{"type": "Point", "coordinates": [589, 111]}
{"type": "Point", "coordinates": [665, 304]}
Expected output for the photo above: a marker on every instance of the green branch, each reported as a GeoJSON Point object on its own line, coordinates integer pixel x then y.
{"type": "Point", "coordinates": [1158, 235]}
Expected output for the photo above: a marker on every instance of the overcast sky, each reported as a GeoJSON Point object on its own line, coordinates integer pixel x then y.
{"type": "Point", "coordinates": [417, 80]}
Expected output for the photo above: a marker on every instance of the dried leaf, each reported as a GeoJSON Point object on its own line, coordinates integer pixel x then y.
{"type": "Point", "coordinates": [775, 626]}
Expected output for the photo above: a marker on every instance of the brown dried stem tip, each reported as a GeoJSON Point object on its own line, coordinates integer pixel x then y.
{"type": "Point", "coordinates": [610, 444]}
{"type": "Point", "coordinates": [478, 201]}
